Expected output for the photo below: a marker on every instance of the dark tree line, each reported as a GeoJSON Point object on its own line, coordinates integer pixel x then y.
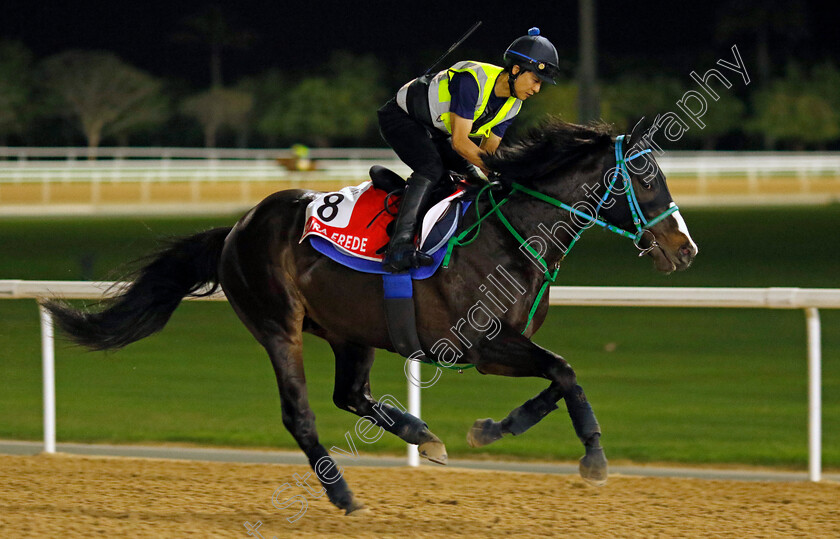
{"type": "Point", "coordinates": [107, 101]}
{"type": "Point", "coordinates": [95, 98]}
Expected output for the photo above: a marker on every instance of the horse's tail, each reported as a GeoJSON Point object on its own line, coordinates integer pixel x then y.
{"type": "Point", "coordinates": [144, 307]}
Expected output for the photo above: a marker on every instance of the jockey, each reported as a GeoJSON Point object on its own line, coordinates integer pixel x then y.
{"type": "Point", "coordinates": [432, 118]}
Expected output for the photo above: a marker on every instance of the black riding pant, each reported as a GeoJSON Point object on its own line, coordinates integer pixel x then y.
{"type": "Point", "coordinates": [427, 154]}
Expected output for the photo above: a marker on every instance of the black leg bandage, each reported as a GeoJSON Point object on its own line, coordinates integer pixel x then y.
{"type": "Point", "coordinates": [529, 414]}
{"type": "Point", "coordinates": [583, 418]}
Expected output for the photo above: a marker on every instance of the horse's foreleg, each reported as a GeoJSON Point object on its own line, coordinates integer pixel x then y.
{"type": "Point", "coordinates": [514, 355]}
{"type": "Point", "coordinates": [352, 393]}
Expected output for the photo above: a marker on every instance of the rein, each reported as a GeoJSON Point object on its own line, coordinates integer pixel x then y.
{"type": "Point", "coordinates": [641, 223]}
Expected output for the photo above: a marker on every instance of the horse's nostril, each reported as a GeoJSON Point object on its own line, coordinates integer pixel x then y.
{"type": "Point", "coordinates": [687, 251]}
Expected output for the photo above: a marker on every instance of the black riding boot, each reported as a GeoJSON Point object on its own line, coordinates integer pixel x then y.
{"type": "Point", "coordinates": [402, 255]}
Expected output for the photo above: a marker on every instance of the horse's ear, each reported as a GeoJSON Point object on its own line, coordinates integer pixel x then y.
{"type": "Point", "coordinates": [637, 133]}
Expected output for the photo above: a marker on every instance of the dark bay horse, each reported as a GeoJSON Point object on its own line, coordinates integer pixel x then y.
{"type": "Point", "coordinates": [555, 181]}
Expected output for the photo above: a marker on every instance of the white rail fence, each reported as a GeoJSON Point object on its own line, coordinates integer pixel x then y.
{"type": "Point", "coordinates": [61, 181]}
{"type": "Point", "coordinates": [122, 165]}
{"type": "Point", "coordinates": [808, 299]}
{"type": "Point", "coordinates": [68, 164]}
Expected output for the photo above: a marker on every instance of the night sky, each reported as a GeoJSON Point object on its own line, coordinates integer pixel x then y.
{"type": "Point", "coordinates": [651, 37]}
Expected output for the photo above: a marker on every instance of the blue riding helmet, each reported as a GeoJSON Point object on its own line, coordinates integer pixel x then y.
{"type": "Point", "coordinates": [534, 53]}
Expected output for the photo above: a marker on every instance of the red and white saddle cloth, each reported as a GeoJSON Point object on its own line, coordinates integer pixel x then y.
{"type": "Point", "coordinates": [353, 219]}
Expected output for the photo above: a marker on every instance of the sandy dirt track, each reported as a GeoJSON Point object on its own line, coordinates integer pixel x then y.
{"type": "Point", "coordinates": [71, 496]}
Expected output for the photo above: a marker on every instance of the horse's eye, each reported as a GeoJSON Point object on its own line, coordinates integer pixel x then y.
{"type": "Point", "coordinates": [647, 186]}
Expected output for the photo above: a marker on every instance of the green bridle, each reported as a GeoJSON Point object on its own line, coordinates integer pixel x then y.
{"type": "Point", "coordinates": [642, 223]}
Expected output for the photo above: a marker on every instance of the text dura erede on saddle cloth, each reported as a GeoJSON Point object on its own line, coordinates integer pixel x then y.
{"type": "Point", "coordinates": [354, 221]}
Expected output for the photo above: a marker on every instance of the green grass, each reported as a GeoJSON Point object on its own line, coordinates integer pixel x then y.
{"type": "Point", "coordinates": [681, 385]}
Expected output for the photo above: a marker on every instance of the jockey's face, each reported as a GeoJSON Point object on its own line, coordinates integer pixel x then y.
{"type": "Point", "coordinates": [527, 84]}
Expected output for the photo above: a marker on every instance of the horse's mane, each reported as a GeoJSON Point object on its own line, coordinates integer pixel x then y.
{"type": "Point", "coordinates": [552, 145]}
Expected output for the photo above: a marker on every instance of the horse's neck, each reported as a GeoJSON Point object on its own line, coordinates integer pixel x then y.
{"type": "Point", "coordinates": [548, 230]}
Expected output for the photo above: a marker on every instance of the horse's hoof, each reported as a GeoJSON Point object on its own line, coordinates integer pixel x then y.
{"type": "Point", "coordinates": [356, 508]}
{"type": "Point", "coordinates": [483, 432]}
{"type": "Point", "coordinates": [593, 467]}
{"type": "Point", "coordinates": [435, 451]}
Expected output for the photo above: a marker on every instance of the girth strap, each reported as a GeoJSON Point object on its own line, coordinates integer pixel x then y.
{"type": "Point", "coordinates": [401, 320]}
{"type": "Point", "coordinates": [399, 313]}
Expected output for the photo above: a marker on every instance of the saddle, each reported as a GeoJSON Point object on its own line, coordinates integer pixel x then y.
{"type": "Point", "coordinates": [353, 226]}
{"type": "Point", "coordinates": [386, 179]}
{"type": "Point", "coordinates": [392, 183]}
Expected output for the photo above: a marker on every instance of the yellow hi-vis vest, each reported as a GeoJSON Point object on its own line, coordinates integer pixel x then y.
{"type": "Point", "coordinates": [439, 98]}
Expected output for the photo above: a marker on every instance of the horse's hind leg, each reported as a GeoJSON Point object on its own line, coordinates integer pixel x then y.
{"type": "Point", "coordinates": [287, 360]}
{"type": "Point", "coordinates": [274, 315]}
{"type": "Point", "coordinates": [511, 354]}
{"type": "Point", "coordinates": [352, 393]}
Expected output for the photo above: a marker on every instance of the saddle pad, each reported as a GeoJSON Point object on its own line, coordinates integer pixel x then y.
{"type": "Point", "coordinates": [351, 219]}
{"type": "Point", "coordinates": [349, 227]}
